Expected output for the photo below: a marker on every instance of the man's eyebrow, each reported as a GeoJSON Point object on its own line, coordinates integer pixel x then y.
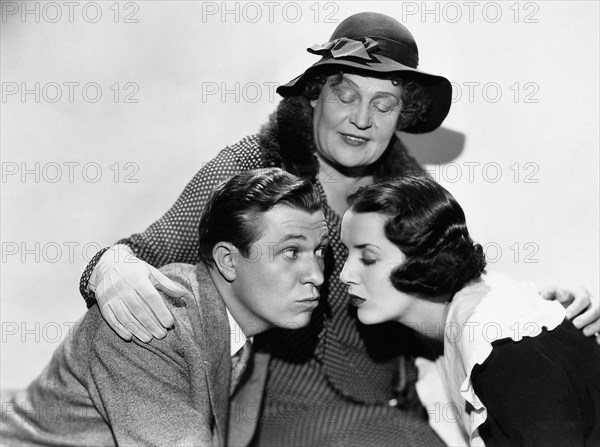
{"type": "Point", "coordinates": [291, 236]}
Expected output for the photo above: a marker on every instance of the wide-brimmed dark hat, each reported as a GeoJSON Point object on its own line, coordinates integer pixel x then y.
{"type": "Point", "coordinates": [377, 45]}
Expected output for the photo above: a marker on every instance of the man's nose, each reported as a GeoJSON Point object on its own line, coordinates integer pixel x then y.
{"type": "Point", "coordinates": [314, 272]}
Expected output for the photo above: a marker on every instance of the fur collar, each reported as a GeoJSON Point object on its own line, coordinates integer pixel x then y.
{"type": "Point", "coordinates": [287, 141]}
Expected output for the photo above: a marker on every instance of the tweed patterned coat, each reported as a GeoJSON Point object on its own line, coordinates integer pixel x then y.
{"type": "Point", "coordinates": [101, 390]}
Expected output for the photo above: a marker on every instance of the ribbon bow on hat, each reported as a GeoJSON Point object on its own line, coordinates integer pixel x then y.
{"type": "Point", "coordinates": [344, 47]}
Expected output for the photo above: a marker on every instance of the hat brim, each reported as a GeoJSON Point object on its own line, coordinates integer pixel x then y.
{"type": "Point", "coordinates": [437, 88]}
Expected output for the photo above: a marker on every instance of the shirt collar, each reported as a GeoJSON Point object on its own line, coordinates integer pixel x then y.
{"type": "Point", "coordinates": [236, 335]}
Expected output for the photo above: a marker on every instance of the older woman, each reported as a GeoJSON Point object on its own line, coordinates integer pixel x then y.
{"type": "Point", "coordinates": [335, 382]}
{"type": "Point", "coordinates": [517, 372]}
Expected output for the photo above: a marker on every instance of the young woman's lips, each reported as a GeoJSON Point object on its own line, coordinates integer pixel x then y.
{"type": "Point", "coordinates": [354, 140]}
{"type": "Point", "coordinates": [356, 300]}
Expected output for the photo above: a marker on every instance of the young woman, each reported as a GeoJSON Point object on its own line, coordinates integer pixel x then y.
{"type": "Point", "coordinates": [517, 372]}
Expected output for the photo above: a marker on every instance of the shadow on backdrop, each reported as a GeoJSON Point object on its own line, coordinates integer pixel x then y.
{"type": "Point", "coordinates": [438, 147]}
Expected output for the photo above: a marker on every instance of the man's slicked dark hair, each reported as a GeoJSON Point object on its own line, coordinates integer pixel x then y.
{"type": "Point", "coordinates": [428, 225]}
{"type": "Point", "coordinates": [234, 209]}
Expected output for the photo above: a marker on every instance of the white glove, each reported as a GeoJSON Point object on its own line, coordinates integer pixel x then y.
{"type": "Point", "coordinates": [125, 289]}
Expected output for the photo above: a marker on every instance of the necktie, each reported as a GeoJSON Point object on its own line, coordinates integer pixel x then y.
{"type": "Point", "coordinates": [238, 364]}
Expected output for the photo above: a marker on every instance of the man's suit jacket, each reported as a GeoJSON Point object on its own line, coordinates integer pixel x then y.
{"type": "Point", "coordinates": [101, 390]}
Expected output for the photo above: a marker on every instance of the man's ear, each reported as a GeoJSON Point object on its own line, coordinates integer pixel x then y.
{"type": "Point", "coordinates": [225, 256]}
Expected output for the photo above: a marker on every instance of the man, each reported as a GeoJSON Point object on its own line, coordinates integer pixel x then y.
{"type": "Point", "coordinates": [262, 242]}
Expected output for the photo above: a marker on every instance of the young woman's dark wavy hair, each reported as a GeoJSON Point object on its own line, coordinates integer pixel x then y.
{"type": "Point", "coordinates": [428, 225]}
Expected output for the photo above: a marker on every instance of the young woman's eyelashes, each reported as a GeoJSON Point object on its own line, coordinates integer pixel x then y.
{"type": "Point", "coordinates": [367, 260]}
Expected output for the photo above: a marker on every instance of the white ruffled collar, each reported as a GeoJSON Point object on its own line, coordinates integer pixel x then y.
{"type": "Point", "coordinates": [492, 308]}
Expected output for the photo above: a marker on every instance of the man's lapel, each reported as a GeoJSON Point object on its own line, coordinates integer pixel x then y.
{"type": "Point", "coordinates": [217, 358]}
{"type": "Point", "coordinates": [245, 404]}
